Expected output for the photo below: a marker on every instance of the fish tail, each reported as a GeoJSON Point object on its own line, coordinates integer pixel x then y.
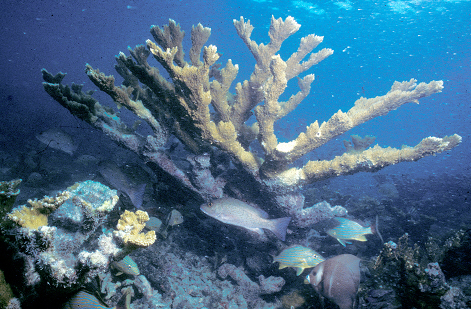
{"type": "Point", "coordinates": [137, 195]}
{"type": "Point", "coordinates": [280, 226]}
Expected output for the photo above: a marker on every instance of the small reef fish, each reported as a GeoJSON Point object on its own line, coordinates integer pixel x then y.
{"type": "Point", "coordinates": [298, 257]}
{"type": "Point", "coordinates": [154, 224]}
{"type": "Point", "coordinates": [338, 279]}
{"type": "Point", "coordinates": [346, 229]}
{"type": "Point", "coordinates": [85, 300]}
{"type": "Point", "coordinates": [126, 266]}
{"type": "Point", "coordinates": [57, 139]}
{"type": "Point", "coordinates": [235, 212]}
{"type": "Point", "coordinates": [173, 218]}
{"type": "Point", "coordinates": [120, 181]}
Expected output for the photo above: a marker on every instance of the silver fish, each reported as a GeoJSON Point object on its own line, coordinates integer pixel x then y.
{"type": "Point", "coordinates": [235, 212]}
{"type": "Point", "coordinates": [57, 139]}
{"type": "Point", "coordinates": [338, 279]}
{"type": "Point", "coordinates": [120, 181]}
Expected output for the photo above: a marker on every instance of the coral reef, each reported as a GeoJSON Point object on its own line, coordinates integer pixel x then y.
{"type": "Point", "coordinates": [188, 279]}
{"type": "Point", "coordinates": [57, 254]}
{"type": "Point", "coordinates": [413, 276]}
{"type": "Point", "coordinates": [8, 193]}
{"type": "Point", "coordinates": [182, 108]}
{"type": "Point", "coordinates": [6, 294]}
{"type": "Point", "coordinates": [36, 215]}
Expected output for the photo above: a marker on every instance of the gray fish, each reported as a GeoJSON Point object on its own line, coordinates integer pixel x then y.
{"type": "Point", "coordinates": [120, 181]}
{"type": "Point", "coordinates": [338, 279]}
{"type": "Point", "coordinates": [174, 218]}
{"type": "Point", "coordinates": [154, 224]}
{"type": "Point", "coordinates": [235, 212]}
{"type": "Point", "coordinates": [57, 139]}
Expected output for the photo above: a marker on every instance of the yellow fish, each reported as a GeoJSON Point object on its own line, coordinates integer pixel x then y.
{"type": "Point", "coordinates": [346, 229]}
{"type": "Point", "coordinates": [298, 257]}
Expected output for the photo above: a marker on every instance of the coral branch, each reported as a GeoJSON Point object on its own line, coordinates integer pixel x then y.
{"type": "Point", "coordinates": [197, 107]}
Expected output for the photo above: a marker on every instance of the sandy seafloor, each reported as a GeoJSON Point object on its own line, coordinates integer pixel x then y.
{"type": "Point", "coordinates": [375, 43]}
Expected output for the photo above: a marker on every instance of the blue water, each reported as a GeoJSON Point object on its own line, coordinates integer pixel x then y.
{"type": "Point", "coordinates": [375, 43]}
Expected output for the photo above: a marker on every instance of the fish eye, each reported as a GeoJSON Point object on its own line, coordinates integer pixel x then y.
{"type": "Point", "coordinates": [210, 204]}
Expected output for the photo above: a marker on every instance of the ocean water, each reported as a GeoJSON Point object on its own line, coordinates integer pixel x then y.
{"type": "Point", "coordinates": [375, 43]}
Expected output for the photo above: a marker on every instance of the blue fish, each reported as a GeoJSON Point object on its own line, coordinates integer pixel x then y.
{"type": "Point", "coordinates": [126, 266]}
{"type": "Point", "coordinates": [85, 300]}
{"type": "Point", "coordinates": [346, 229]}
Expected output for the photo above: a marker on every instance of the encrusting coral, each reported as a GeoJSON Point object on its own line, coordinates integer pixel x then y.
{"type": "Point", "coordinates": [182, 108]}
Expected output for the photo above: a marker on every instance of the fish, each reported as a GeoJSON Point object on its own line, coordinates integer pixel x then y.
{"type": "Point", "coordinates": [346, 229]}
{"type": "Point", "coordinates": [154, 224]}
{"type": "Point", "coordinates": [236, 212]}
{"type": "Point", "coordinates": [337, 279]}
{"type": "Point", "coordinates": [126, 266]}
{"type": "Point", "coordinates": [173, 218]}
{"type": "Point", "coordinates": [57, 139]}
{"type": "Point", "coordinates": [298, 257]}
{"type": "Point", "coordinates": [120, 181]}
{"type": "Point", "coordinates": [85, 300]}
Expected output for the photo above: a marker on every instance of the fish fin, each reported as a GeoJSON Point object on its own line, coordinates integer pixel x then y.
{"type": "Point", "coordinates": [125, 300]}
{"type": "Point", "coordinates": [307, 280]}
{"type": "Point", "coordinates": [299, 270]}
{"type": "Point", "coordinates": [375, 230]}
{"type": "Point", "coordinates": [361, 238]}
{"type": "Point", "coordinates": [137, 195]}
{"type": "Point", "coordinates": [282, 266]}
{"type": "Point", "coordinates": [279, 227]}
{"type": "Point", "coordinates": [341, 242]}
{"type": "Point", "coordinates": [257, 230]}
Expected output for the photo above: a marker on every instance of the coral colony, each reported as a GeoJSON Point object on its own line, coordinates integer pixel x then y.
{"type": "Point", "coordinates": [62, 239]}
{"type": "Point", "coordinates": [182, 108]}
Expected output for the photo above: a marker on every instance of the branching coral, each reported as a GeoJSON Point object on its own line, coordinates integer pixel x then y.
{"type": "Point", "coordinates": [182, 108]}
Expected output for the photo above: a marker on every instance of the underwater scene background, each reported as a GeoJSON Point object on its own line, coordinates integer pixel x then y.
{"type": "Point", "coordinates": [115, 212]}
